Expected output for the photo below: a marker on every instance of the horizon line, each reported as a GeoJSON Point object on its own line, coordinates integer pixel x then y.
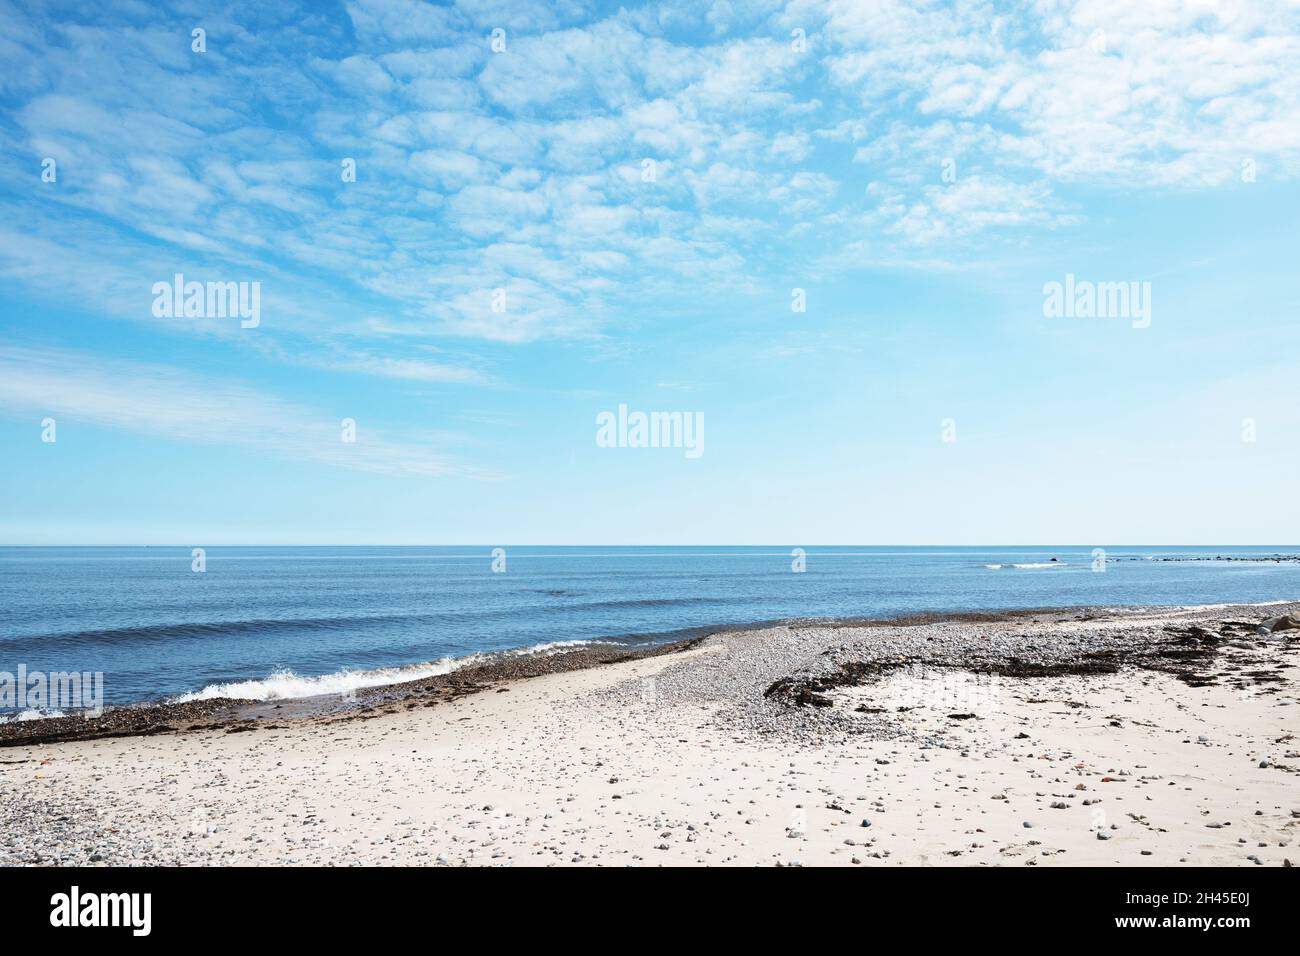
{"type": "Point", "coordinates": [654, 545]}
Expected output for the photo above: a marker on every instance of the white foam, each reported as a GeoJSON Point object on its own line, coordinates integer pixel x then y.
{"type": "Point", "coordinates": [548, 648]}
{"type": "Point", "coordinates": [284, 684]}
{"type": "Point", "coordinates": [1049, 564]}
{"type": "Point", "coordinates": [1224, 607]}
{"type": "Point", "coordinates": [31, 714]}
{"type": "Point", "coordinates": [993, 567]}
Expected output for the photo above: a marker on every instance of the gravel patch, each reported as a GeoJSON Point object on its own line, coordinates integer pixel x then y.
{"type": "Point", "coordinates": [778, 680]}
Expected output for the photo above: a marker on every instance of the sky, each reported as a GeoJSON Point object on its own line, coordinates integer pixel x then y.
{"type": "Point", "coordinates": [825, 230]}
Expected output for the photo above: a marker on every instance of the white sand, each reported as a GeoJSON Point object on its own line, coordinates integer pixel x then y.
{"type": "Point", "coordinates": [556, 772]}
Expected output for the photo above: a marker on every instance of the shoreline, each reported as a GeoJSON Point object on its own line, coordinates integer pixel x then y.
{"type": "Point", "coordinates": [236, 714]}
{"type": "Point", "coordinates": [233, 714]}
{"type": "Point", "coordinates": [167, 715]}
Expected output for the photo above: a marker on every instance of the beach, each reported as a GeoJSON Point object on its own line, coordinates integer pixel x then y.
{"type": "Point", "coordinates": [1081, 737]}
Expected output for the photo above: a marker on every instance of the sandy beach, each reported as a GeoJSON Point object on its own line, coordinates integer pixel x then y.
{"type": "Point", "coordinates": [1077, 737]}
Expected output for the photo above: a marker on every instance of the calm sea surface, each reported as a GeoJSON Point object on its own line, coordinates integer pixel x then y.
{"type": "Point", "coordinates": [277, 622]}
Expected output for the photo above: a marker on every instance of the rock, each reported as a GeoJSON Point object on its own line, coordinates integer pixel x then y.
{"type": "Point", "coordinates": [1274, 624]}
{"type": "Point", "coordinates": [866, 823]}
{"type": "Point", "coordinates": [1027, 825]}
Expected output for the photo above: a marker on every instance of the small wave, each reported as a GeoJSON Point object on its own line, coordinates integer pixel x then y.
{"type": "Point", "coordinates": [994, 567]}
{"type": "Point", "coordinates": [30, 714]}
{"type": "Point", "coordinates": [263, 627]}
{"type": "Point", "coordinates": [550, 647]}
{"type": "Point", "coordinates": [210, 629]}
{"type": "Point", "coordinates": [1048, 564]}
{"type": "Point", "coordinates": [284, 684]}
{"type": "Point", "coordinates": [1224, 607]}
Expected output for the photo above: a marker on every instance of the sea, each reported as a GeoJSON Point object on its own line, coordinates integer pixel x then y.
{"type": "Point", "coordinates": [162, 623]}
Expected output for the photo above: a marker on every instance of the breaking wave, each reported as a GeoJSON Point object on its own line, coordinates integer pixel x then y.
{"type": "Point", "coordinates": [284, 684]}
{"type": "Point", "coordinates": [30, 714]}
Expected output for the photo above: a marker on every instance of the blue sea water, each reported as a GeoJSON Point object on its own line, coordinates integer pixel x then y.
{"type": "Point", "coordinates": [282, 622]}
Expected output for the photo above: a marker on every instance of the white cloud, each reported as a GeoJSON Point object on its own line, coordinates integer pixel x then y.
{"type": "Point", "coordinates": [967, 207]}
{"type": "Point", "coordinates": [178, 405]}
{"type": "Point", "coordinates": [1121, 94]}
{"type": "Point", "coordinates": [451, 169]}
{"type": "Point", "coordinates": [523, 170]}
{"type": "Point", "coordinates": [409, 369]}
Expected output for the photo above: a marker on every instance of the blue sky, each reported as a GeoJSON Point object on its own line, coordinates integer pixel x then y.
{"type": "Point", "coordinates": [920, 170]}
